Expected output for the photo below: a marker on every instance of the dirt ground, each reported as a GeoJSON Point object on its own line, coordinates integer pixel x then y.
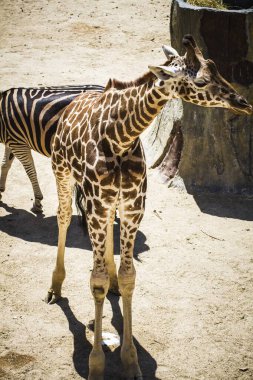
{"type": "Point", "coordinates": [192, 309]}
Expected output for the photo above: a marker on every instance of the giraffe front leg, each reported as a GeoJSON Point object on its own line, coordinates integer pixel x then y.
{"type": "Point", "coordinates": [59, 273]}
{"type": "Point", "coordinates": [5, 167]}
{"type": "Point", "coordinates": [64, 214]}
{"type": "Point", "coordinates": [126, 276]}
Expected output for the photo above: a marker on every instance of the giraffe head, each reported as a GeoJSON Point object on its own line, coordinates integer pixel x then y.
{"type": "Point", "coordinates": [197, 80]}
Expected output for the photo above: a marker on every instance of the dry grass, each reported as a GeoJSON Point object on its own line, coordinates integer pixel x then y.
{"type": "Point", "coordinates": [208, 3]}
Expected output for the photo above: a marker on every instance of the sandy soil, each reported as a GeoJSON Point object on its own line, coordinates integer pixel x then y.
{"type": "Point", "coordinates": [192, 313]}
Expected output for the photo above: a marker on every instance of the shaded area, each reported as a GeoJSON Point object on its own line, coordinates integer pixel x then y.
{"type": "Point", "coordinates": [15, 360]}
{"type": "Point", "coordinates": [147, 363]}
{"type": "Point", "coordinates": [40, 229]}
{"type": "Point", "coordinates": [225, 54]}
{"type": "Point", "coordinates": [11, 361]}
{"type": "Point", "coordinates": [235, 4]}
{"type": "Point", "coordinates": [82, 346]}
{"type": "Point", "coordinates": [170, 161]}
{"type": "Point", "coordinates": [224, 205]}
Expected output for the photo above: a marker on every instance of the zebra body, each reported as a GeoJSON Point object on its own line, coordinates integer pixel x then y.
{"type": "Point", "coordinates": [28, 121]}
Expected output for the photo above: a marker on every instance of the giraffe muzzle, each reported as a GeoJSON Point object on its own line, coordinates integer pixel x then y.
{"type": "Point", "coordinates": [241, 106]}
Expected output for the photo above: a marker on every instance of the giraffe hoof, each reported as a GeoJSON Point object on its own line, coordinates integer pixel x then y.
{"type": "Point", "coordinates": [114, 286]}
{"type": "Point", "coordinates": [136, 377]}
{"type": "Point", "coordinates": [132, 372]}
{"type": "Point", "coordinates": [98, 377]}
{"type": "Point", "coordinates": [51, 297]}
{"type": "Point", "coordinates": [114, 290]}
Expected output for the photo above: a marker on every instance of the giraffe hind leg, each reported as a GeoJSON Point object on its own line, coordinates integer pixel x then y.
{"type": "Point", "coordinates": [109, 250]}
{"type": "Point", "coordinates": [64, 190]}
{"type": "Point", "coordinates": [109, 256]}
{"type": "Point", "coordinates": [129, 223]}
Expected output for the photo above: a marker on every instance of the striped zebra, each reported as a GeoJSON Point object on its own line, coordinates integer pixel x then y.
{"type": "Point", "coordinates": [28, 121]}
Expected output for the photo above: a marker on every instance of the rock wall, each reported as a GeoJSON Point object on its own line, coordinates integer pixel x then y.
{"type": "Point", "coordinates": [157, 136]}
{"type": "Point", "coordinates": [217, 145]}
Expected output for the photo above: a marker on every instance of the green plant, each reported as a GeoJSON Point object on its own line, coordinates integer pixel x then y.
{"type": "Point", "coordinates": [208, 3]}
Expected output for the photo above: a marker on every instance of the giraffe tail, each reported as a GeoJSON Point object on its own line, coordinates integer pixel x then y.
{"type": "Point", "coordinates": [79, 197]}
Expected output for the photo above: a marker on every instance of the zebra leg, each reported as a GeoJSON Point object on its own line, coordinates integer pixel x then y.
{"type": "Point", "coordinates": [5, 167]}
{"type": "Point", "coordinates": [24, 155]}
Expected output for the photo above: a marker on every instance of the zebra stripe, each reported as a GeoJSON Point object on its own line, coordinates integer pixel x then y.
{"type": "Point", "coordinates": [28, 120]}
{"type": "Point", "coordinates": [29, 115]}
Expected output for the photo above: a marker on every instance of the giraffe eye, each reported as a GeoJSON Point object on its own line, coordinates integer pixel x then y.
{"type": "Point", "coordinates": [200, 82]}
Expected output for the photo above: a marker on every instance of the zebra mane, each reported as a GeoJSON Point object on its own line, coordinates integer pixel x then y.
{"type": "Point", "coordinates": [92, 87]}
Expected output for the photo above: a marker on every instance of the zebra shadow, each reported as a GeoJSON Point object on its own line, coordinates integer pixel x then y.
{"type": "Point", "coordinates": [44, 230]}
{"type": "Point", "coordinates": [82, 346]}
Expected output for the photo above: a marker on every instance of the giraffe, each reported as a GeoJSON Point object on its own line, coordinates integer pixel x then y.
{"type": "Point", "coordinates": [97, 146]}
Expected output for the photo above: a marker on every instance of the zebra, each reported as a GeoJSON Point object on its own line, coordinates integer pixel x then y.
{"type": "Point", "coordinates": [28, 121]}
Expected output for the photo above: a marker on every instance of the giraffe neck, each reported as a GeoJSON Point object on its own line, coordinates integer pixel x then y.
{"type": "Point", "coordinates": [134, 110]}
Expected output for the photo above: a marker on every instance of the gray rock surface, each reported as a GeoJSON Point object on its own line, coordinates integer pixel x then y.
{"type": "Point", "coordinates": [156, 137]}
{"type": "Point", "coordinates": [218, 145]}
{"type": "Point", "coordinates": [217, 150]}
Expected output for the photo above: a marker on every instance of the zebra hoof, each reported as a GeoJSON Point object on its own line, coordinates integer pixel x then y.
{"type": "Point", "coordinates": [37, 208]}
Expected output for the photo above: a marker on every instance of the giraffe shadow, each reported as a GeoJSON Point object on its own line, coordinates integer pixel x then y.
{"type": "Point", "coordinates": [40, 229]}
{"type": "Point", "coordinates": [44, 230]}
{"type": "Point", "coordinates": [82, 347]}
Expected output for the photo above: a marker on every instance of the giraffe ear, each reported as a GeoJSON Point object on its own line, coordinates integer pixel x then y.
{"type": "Point", "coordinates": [169, 51]}
{"type": "Point", "coordinates": [163, 72]}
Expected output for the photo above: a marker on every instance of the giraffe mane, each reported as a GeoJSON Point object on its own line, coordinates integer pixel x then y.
{"type": "Point", "coordinates": [119, 85]}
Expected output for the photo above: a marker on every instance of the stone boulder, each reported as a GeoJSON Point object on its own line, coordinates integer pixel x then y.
{"type": "Point", "coordinates": [217, 152]}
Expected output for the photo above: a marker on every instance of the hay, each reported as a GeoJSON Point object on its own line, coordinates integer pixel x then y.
{"type": "Point", "coordinates": [208, 3]}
